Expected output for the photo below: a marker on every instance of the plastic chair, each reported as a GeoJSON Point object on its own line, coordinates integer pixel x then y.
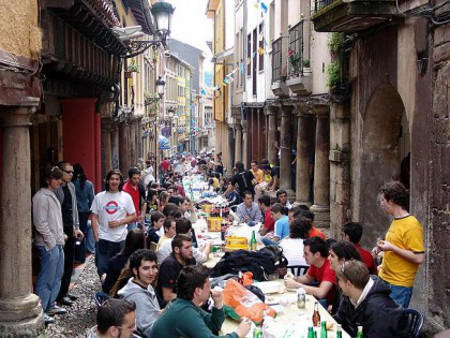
{"type": "Point", "coordinates": [100, 297]}
{"type": "Point", "coordinates": [415, 322]}
{"type": "Point", "coordinates": [298, 270]}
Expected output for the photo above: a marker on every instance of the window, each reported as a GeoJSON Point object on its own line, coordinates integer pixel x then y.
{"type": "Point", "coordinates": [255, 58]}
{"type": "Point", "coordinates": [249, 55]}
{"type": "Point", "coordinates": [261, 49]}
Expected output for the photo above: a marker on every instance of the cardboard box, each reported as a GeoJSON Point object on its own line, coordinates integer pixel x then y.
{"type": "Point", "coordinates": [215, 224]}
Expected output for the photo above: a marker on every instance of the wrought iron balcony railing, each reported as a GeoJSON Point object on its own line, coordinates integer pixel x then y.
{"type": "Point", "coordinates": [279, 60]}
{"type": "Point", "coordinates": [295, 51]}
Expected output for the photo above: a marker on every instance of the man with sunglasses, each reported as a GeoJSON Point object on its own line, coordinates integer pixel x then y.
{"type": "Point", "coordinates": [66, 195]}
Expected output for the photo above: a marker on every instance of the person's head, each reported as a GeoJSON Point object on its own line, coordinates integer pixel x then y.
{"type": "Point", "coordinates": [282, 196]}
{"type": "Point", "coordinates": [135, 240]}
{"type": "Point", "coordinates": [352, 276]}
{"type": "Point", "coordinates": [184, 226]}
{"type": "Point", "coordinates": [182, 247]}
{"type": "Point", "coordinates": [144, 267]}
{"type": "Point", "coordinates": [116, 318]}
{"type": "Point", "coordinates": [148, 163]}
{"type": "Point", "coordinates": [164, 197]}
{"type": "Point", "coordinates": [185, 203]}
{"type": "Point", "coordinates": [254, 165]}
{"type": "Point", "coordinates": [239, 166]}
{"type": "Point", "coordinates": [300, 228]}
{"type": "Point", "coordinates": [67, 171]}
{"type": "Point", "coordinates": [353, 232]}
{"type": "Point", "coordinates": [193, 284]}
{"type": "Point", "coordinates": [172, 190]}
{"type": "Point", "coordinates": [248, 198]}
{"type": "Point", "coordinates": [342, 251]}
{"type": "Point", "coordinates": [152, 195]}
{"type": "Point", "coordinates": [170, 227]}
{"type": "Point", "coordinates": [157, 219]}
{"type": "Point", "coordinates": [265, 162]}
{"type": "Point", "coordinates": [277, 210]}
{"type": "Point", "coordinates": [51, 177]}
{"type": "Point", "coordinates": [314, 250]}
{"type": "Point", "coordinates": [113, 180]}
{"type": "Point", "coordinates": [392, 195]}
{"type": "Point", "coordinates": [266, 169]}
{"type": "Point", "coordinates": [79, 173]}
{"type": "Point", "coordinates": [264, 202]}
{"type": "Point", "coordinates": [134, 175]}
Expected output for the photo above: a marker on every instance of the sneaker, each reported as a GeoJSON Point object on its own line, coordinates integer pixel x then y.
{"type": "Point", "coordinates": [65, 301]}
{"type": "Point", "coordinates": [56, 310]}
{"type": "Point", "coordinates": [72, 297]}
{"type": "Point", "coordinates": [48, 319]}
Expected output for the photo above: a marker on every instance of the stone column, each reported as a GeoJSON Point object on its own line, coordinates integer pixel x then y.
{"type": "Point", "coordinates": [286, 152]}
{"type": "Point", "coordinates": [321, 206]}
{"type": "Point", "coordinates": [238, 144]}
{"type": "Point", "coordinates": [272, 155]}
{"type": "Point", "coordinates": [124, 147]}
{"type": "Point", "coordinates": [115, 146]}
{"type": "Point", "coordinates": [302, 185]}
{"type": "Point", "coordinates": [20, 310]}
{"type": "Point", "coordinates": [106, 145]}
{"type": "Point", "coordinates": [133, 148]}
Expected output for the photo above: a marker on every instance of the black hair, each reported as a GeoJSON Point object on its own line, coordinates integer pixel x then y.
{"type": "Point", "coordinates": [141, 255]}
{"type": "Point", "coordinates": [300, 228]}
{"type": "Point", "coordinates": [190, 278]}
{"type": "Point", "coordinates": [172, 210]}
{"type": "Point", "coordinates": [50, 172]}
{"type": "Point", "coordinates": [240, 166]}
{"type": "Point", "coordinates": [345, 250]}
{"type": "Point", "coordinates": [156, 216]}
{"type": "Point", "coordinates": [247, 193]}
{"type": "Point", "coordinates": [112, 313]}
{"type": "Point", "coordinates": [316, 244]}
{"type": "Point", "coordinates": [273, 200]}
{"type": "Point", "coordinates": [168, 222]}
{"type": "Point", "coordinates": [278, 207]}
{"type": "Point", "coordinates": [280, 192]}
{"type": "Point", "coordinates": [133, 171]}
{"type": "Point", "coordinates": [265, 199]}
{"type": "Point", "coordinates": [184, 199]}
{"type": "Point", "coordinates": [354, 231]}
{"type": "Point", "coordinates": [183, 225]}
{"type": "Point", "coordinates": [79, 174]}
{"type": "Point", "coordinates": [135, 240]}
{"type": "Point", "coordinates": [177, 241]}
{"type": "Point", "coordinates": [109, 175]}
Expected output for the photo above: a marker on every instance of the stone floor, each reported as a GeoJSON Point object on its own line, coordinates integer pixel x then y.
{"type": "Point", "coordinates": [81, 316]}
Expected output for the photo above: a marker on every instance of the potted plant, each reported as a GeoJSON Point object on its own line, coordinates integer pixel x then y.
{"type": "Point", "coordinates": [132, 68]}
{"type": "Point", "coordinates": [306, 63]}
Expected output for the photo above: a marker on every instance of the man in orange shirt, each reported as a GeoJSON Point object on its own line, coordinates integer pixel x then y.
{"type": "Point", "coordinates": [302, 212]}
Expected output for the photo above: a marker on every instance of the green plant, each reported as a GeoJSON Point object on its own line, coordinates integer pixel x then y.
{"type": "Point", "coordinates": [306, 63]}
{"type": "Point", "coordinates": [333, 74]}
{"type": "Point", "coordinates": [336, 43]}
{"type": "Point", "coordinates": [133, 68]}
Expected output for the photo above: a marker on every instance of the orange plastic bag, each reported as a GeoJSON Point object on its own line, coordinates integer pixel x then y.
{"type": "Point", "coordinates": [244, 302]}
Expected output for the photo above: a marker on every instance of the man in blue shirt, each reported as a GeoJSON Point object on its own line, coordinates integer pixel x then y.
{"type": "Point", "coordinates": [281, 228]}
{"type": "Point", "coordinates": [248, 211]}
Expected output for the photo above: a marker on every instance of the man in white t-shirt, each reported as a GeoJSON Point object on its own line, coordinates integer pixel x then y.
{"type": "Point", "coordinates": [112, 210]}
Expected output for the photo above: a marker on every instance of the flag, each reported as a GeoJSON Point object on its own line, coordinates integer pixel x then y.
{"type": "Point", "coordinates": [203, 91]}
{"type": "Point", "coordinates": [264, 7]}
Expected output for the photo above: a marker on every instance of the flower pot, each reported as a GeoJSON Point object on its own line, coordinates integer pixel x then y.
{"type": "Point", "coordinates": [128, 75]}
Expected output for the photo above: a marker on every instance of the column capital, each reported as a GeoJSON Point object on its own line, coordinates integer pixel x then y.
{"type": "Point", "coordinates": [286, 111]}
{"type": "Point", "coordinates": [321, 110]}
{"type": "Point", "coordinates": [16, 116]}
{"type": "Point", "coordinates": [271, 109]}
{"type": "Point", "coordinates": [303, 109]}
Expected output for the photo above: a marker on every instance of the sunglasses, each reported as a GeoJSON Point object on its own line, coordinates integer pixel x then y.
{"type": "Point", "coordinates": [68, 171]}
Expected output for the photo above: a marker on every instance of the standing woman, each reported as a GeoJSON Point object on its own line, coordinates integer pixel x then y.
{"type": "Point", "coordinates": [152, 201]}
{"type": "Point", "coordinates": [85, 195]}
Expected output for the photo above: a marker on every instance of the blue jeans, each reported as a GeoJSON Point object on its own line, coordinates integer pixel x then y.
{"type": "Point", "coordinates": [90, 241]}
{"type": "Point", "coordinates": [48, 281]}
{"type": "Point", "coordinates": [268, 242]}
{"type": "Point", "coordinates": [401, 294]}
{"type": "Point", "coordinates": [131, 226]}
{"type": "Point", "coordinates": [104, 250]}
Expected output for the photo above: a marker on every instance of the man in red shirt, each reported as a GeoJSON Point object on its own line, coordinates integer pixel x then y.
{"type": "Point", "coordinates": [353, 233]}
{"type": "Point", "coordinates": [132, 187]}
{"type": "Point", "coordinates": [165, 164]}
{"type": "Point", "coordinates": [269, 222]}
{"type": "Point", "coordinates": [315, 253]}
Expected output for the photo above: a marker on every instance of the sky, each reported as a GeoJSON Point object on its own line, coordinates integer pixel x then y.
{"type": "Point", "coordinates": [190, 24]}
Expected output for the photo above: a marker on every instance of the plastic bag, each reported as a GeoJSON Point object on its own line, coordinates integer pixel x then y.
{"type": "Point", "coordinates": [244, 303]}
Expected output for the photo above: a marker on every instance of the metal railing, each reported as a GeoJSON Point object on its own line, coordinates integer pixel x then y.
{"type": "Point", "coordinates": [295, 51]}
{"type": "Point", "coordinates": [278, 55]}
{"type": "Point", "coordinates": [319, 4]}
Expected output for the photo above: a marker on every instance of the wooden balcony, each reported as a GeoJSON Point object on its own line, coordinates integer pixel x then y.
{"type": "Point", "coordinates": [351, 15]}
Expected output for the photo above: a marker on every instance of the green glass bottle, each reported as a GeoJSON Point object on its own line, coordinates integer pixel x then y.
{"type": "Point", "coordinates": [310, 332]}
{"type": "Point", "coordinates": [339, 331]}
{"type": "Point", "coordinates": [323, 330]}
{"type": "Point", "coordinates": [360, 332]}
{"type": "Point", "coordinates": [253, 244]}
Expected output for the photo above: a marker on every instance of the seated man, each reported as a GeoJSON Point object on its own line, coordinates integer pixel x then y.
{"type": "Point", "coordinates": [185, 318]}
{"type": "Point", "coordinates": [315, 253]}
{"type": "Point", "coordinates": [353, 233]}
{"type": "Point", "coordinates": [269, 222]}
{"type": "Point", "coordinates": [115, 318]}
{"type": "Point", "coordinates": [281, 227]}
{"type": "Point", "coordinates": [233, 197]}
{"type": "Point", "coordinates": [302, 212]}
{"type": "Point", "coordinates": [188, 209]}
{"type": "Point", "coordinates": [170, 269]}
{"type": "Point", "coordinates": [248, 211]}
{"type": "Point", "coordinates": [367, 304]}
{"type": "Point", "coordinates": [142, 265]}
{"type": "Point", "coordinates": [282, 199]}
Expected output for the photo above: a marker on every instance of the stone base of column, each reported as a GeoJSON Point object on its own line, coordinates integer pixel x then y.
{"type": "Point", "coordinates": [321, 215]}
{"type": "Point", "coordinates": [21, 317]}
{"type": "Point", "coordinates": [298, 203]}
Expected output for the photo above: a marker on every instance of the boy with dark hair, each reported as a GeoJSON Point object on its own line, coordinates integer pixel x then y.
{"type": "Point", "coordinates": [157, 221]}
{"type": "Point", "coordinates": [269, 222]}
{"type": "Point", "coordinates": [367, 304]}
{"type": "Point", "coordinates": [353, 233]}
{"type": "Point", "coordinates": [184, 317]}
{"type": "Point", "coordinates": [115, 318]}
{"type": "Point", "coordinates": [315, 253]}
{"type": "Point", "coordinates": [143, 267]}
{"type": "Point", "coordinates": [282, 198]}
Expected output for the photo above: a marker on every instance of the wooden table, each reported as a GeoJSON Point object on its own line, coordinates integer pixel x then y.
{"type": "Point", "coordinates": [291, 321]}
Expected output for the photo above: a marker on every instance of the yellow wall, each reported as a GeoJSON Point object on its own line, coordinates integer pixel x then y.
{"type": "Point", "coordinates": [19, 28]}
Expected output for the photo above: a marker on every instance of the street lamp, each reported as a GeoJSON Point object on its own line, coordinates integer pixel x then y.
{"type": "Point", "coordinates": [160, 87]}
{"type": "Point", "coordinates": [162, 12]}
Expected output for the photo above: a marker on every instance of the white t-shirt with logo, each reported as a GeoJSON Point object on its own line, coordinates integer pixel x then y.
{"type": "Point", "coordinates": [112, 207]}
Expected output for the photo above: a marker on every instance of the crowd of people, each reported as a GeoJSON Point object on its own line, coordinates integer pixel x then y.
{"type": "Point", "coordinates": [150, 264]}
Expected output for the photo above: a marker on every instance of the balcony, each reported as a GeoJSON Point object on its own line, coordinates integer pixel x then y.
{"type": "Point", "coordinates": [351, 15]}
{"type": "Point", "coordinates": [279, 67]}
{"type": "Point", "coordinates": [299, 79]}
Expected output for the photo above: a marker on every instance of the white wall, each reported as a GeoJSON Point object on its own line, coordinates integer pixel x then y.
{"type": "Point", "coordinates": [320, 59]}
{"type": "Point", "coordinates": [229, 24]}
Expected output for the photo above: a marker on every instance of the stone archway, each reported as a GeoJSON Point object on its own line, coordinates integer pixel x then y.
{"type": "Point", "coordinates": [382, 150]}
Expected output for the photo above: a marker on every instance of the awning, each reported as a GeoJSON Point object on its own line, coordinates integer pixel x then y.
{"type": "Point", "coordinates": [164, 143]}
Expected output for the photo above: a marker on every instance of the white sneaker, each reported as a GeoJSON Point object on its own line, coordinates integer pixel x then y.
{"type": "Point", "coordinates": [56, 310]}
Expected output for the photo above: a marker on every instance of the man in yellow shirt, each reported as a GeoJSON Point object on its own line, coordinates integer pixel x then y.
{"type": "Point", "coordinates": [403, 247]}
{"type": "Point", "coordinates": [258, 173]}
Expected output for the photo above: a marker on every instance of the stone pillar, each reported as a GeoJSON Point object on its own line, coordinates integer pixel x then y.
{"type": "Point", "coordinates": [133, 148]}
{"type": "Point", "coordinates": [115, 146]}
{"type": "Point", "coordinates": [272, 152]}
{"type": "Point", "coordinates": [139, 151]}
{"type": "Point", "coordinates": [321, 206]}
{"type": "Point", "coordinates": [286, 152]}
{"type": "Point", "coordinates": [124, 147]}
{"type": "Point", "coordinates": [238, 143]}
{"type": "Point", "coordinates": [20, 311]}
{"type": "Point", "coordinates": [106, 145]}
{"type": "Point", "coordinates": [302, 182]}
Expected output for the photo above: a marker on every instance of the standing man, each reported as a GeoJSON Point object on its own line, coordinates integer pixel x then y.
{"type": "Point", "coordinates": [403, 247]}
{"type": "Point", "coordinates": [132, 187]}
{"type": "Point", "coordinates": [67, 197]}
{"type": "Point", "coordinates": [49, 241]}
{"type": "Point", "coordinates": [243, 178]}
{"type": "Point", "coordinates": [112, 210]}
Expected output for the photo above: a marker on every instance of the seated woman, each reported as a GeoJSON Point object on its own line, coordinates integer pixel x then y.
{"type": "Point", "coordinates": [135, 240]}
{"type": "Point", "coordinates": [293, 245]}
